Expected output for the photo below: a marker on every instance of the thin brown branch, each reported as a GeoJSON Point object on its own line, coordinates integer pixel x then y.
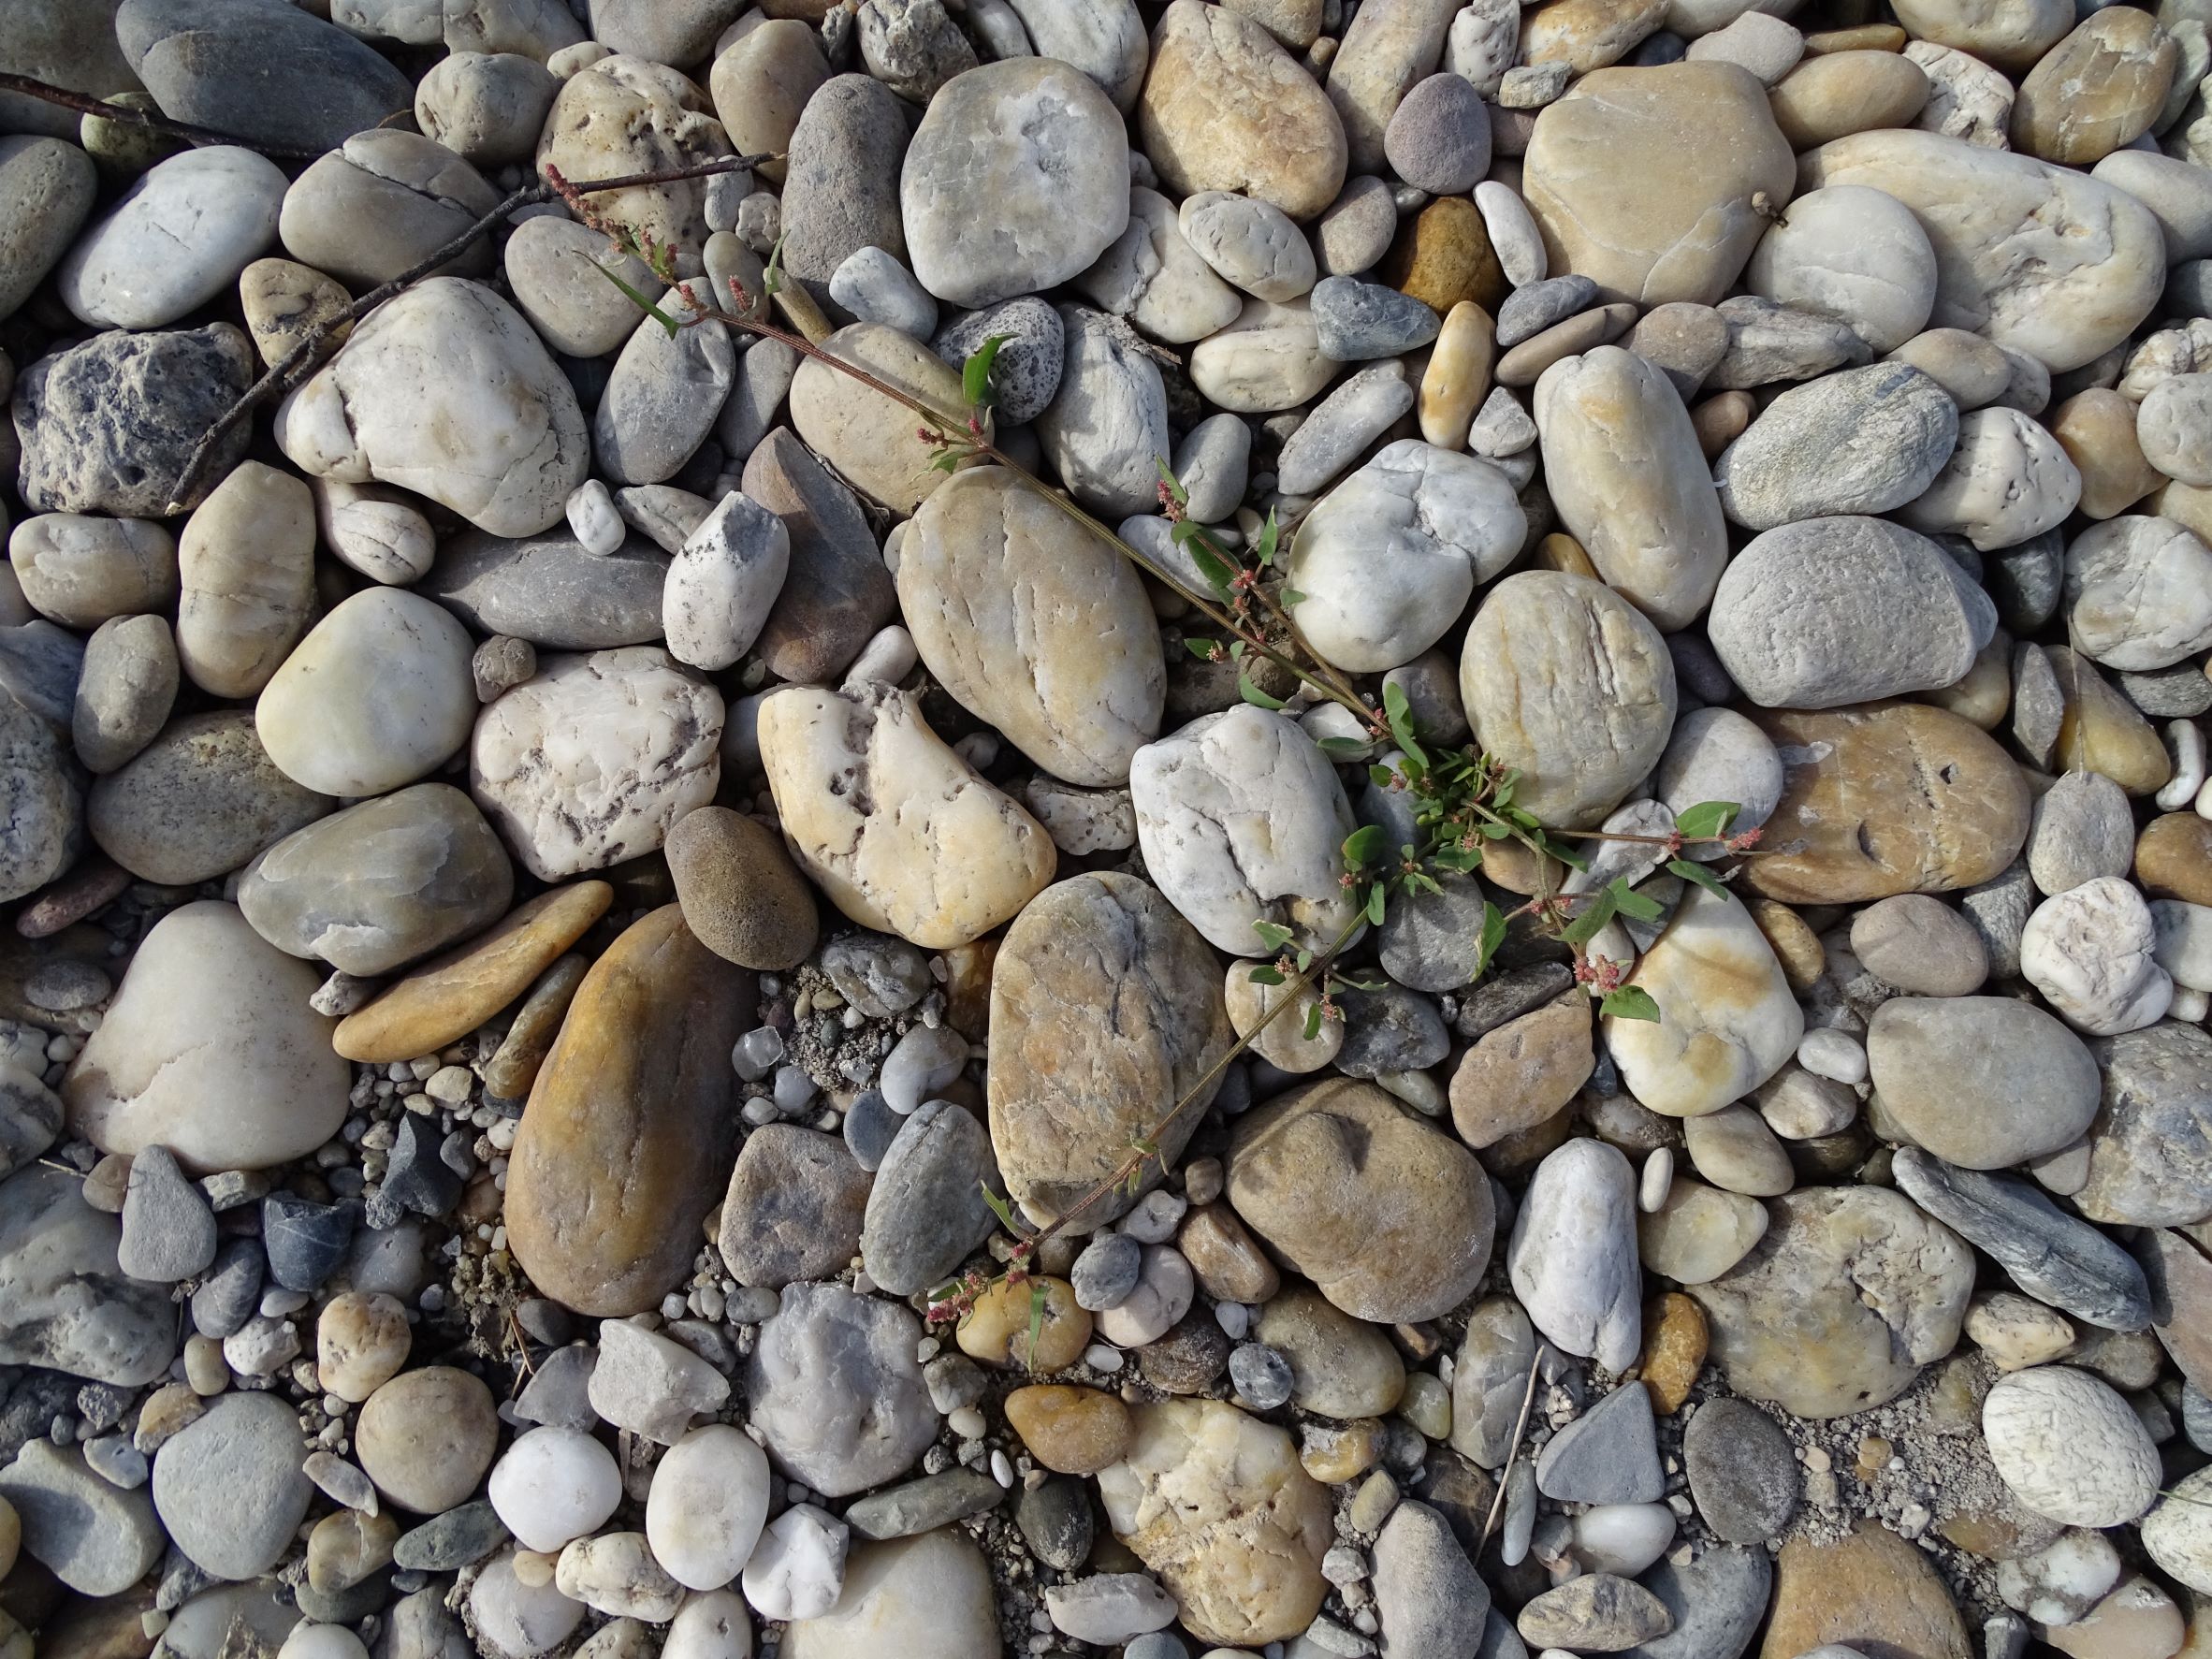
{"type": "Point", "coordinates": [150, 120]}
{"type": "Point", "coordinates": [1528, 1399]}
{"type": "Point", "coordinates": [307, 352]}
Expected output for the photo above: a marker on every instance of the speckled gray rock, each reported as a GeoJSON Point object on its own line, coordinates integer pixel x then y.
{"type": "Point", "coordinates": [661, 399]}
{"type": "Point", "coordinates": [382, 204]}
{"type": "Point", "coordinates": [1151, 275]}
{"type": "Point", "coordinates": [2082, 828]}
{"type": "Point", "coordinates": [1357, 320]}
{"type": "Point", "coordinates": [836, 1390]}
{"type": "Point", "coordinates": [2054, 1257]}
{"type": "Point", "coordinates": [2151, 1149]}
{"type": "Point", "coordinates": [380, 883]}
{"type": "Point", "coordinates": [208, 62]}
{"type": "Point", "coordinates": [107, 427]}
{"type": "Point", "coordinates": [1529, 311]}
{"type": "Point", "coordinates": [795, 1206]}
{"type": "Point", "coordinates": [1016, 180]}
{"type": "Point", "coordinates": [545, 589]}
{"type": "Point", "coordinates": [1833, 611]}
{"type": "Point", "coordinates": [1108, 420]}
{"type": "Point", "coordinates": [1744, 1472]}
{"type": "Point", "coordinates": [842, 180]}
{"type": "Point", "coordinates": [1031, 355]}
{"type": "Point", "coordinates": [1863, 441]}
{"type": "Point", "coordinates": [1717, 1600]}
{"type": "Point", "coordinates": [925, 1209]}
{"type": "Point", "coordinates": [41, 796]}
{"type": "Point", "coordinates": [1769, 342]}
{"type": "Point", "coordinates": [1432, 1602]}
{"type": "Point", "coordinates": [197, 802]}
{"type": "Point", "coordinates": [65, 1302]}
{"type": "Point", "coordinates": [47, 188]}
{"type": "Point", "coordinates": [487, 108]}
{"type": "Point", "coordinates": [913, 47]}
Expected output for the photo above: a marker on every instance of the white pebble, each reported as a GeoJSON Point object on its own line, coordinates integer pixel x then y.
{"type": "Point", "coordinates": [554, 1485]}
{"type": "Point", "coordinates": [1001, 1470]}
{"type": "Point", "coordinates": [2184, 744]}
{"type": "Point", "coordinates": [968, 1422]}
{"type": "Point", "coordinates": [887, 659]}
{"type": "Point", "coordinates": [1098, 1356]}
{"type": "Point", "coordinates": [798, 1566]}
{"type": "Point", "coordinates": [1658, 1180]}
{"type": "Point", "coordinates": [1837, 1055]}
{"type": "Point", "coordinates": [1512, 233]}
{"type": "Point", "coordinates": [591, 516]}
{"type": "Point", "coordinates": [322, 1641]}
{"type": "Point", "coordinates": [1233, 1318]}
{"type": "Point", "coordinates": [757, 1052]}
{"type": "Point", "coordinates": [2188, 1006]}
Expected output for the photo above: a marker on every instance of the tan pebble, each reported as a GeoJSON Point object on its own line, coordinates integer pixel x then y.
{"type": "Point", "coordinates": [362, 1341]}
{"type": "Point", "coordinates": [1871, 1589]}
{"type": "Point", "coordinates": [1839, 93]}
{"type": "Point", "coordinates": [2174, 858]}
{"type": "Point", "coordinates": [1796, 946]}
{"type": "Point", "coordinates": [513, 1066]}
{"type": "Point", "coordinates": [1372, 1504]}
{"type": "Point", "coordinates": [2097, 431]}
{"type": "Point", "coordinates": [2099, 87]}
{"type": "Point", "coordinates": [1228, 1265]}
{"type": "Point", "coordinates": [426, 1438]}
{"type": "Point", "coordinates": [1457, 379]}
{"type": "Point", "coordinates": [1584, 331]}
{"type": "Point", "coordinates": [1864, 37]}
{"type": "Point", "coordinates": [346, 1546]}
{"type": "Point", "coordinates": [2101, 731]}
{"type": "Point", "coordinates": [1072, 1431]}
{"type": "Point", "coordinates": [109, 1180]}
{"type": "Point", "coordinates": [1514, 867]}
{"type": "Point", "coordinates": [1282, 1041]}
{"type": "Point", "coordinates": [1427, 1405]}
{"type": "Point", "coordinates": [1335, 1453]}
{"type": "Point", "coordinates": [1523, 1072]}
{"type": "Point", "coordinates": [1560, 551]}
{"type": "Point", "coordinates": [533, 1569]}
{"type": "Point", "coordinates": [2189, 504]}
{"type": "Point", "coordinates": [168, 1408]}
{"type": "Point", "coordinates": [204, 1366]}
{"type": "Point", "coordinates": [1984, 694]}
{"type": "Point", "coordinates": [1721, 419]}
{"type": "Point", "coordinates": [1675, 1340]}
{"type": "Point", "coordinates": [11, 1536]}
{"type": "Point", "coordinates": [997, 1330]}
{"type": "Point", "coordinates": [2137, 1621]}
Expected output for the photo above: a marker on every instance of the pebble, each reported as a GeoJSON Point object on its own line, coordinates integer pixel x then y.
{"type": "Point", "coordinates": [2069, 1446]}
{"type": "Point", "coordinates": [1608, 1455]}
{"type": "Point", "coordinates": [2091, 951]}
{"type": "Point", "coordinates": [1573, 1255]}
{"type": "Point", "coordinates": [554, 1484]}
{"type": "Point", "coordinates": [228, 1486]}
{"type": "Point", "coordinates": [1743, 1476]}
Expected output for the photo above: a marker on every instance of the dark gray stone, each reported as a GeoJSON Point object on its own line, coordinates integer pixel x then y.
{"type": "Point", "coordinates": [305, 1240]}
{"type": "Point", "coordinates": [1433, 942]}
{"type": "Point", "coordinates": [415, 1176]}
{"type": "Point", "coordinates": [922, 1506]}
{"type": "Point", "coordinates": [1391, 1029]}
{"type": "Point", "coordinates": [546, 590]}
{"type": "Point", "coordinates": [1107, 1271]}
{"type": "Point", "coordinates": [1262, 1376]}
{"type": "Point", "coordinates": [1864, 441]}
{"type": "Point", "coordinates": [1056, 1521]}
{"type": "Point", "coordinates": [227, 1296]}
{"type": "Point", "coordinates": [1026, 372]}
{"type": "Point", "coordinates": [1438, 138]}
{"type": "Point", "coordinates": [2027, 581]}
{"type": "Point", "coordinates": [452, 1540]}
{"type": "Point", "coordinates": [1527, 312]}
{"type": "Point", "coordinates": [42, 803]}
{"type": "Point", "coordinates": [2054, 1257]}
{"type": "Point", "coordinates": [837, 593]}
{"type": "Point", "coordinates": [1742, 1474]}
{"type": "Point", "coordinates": [1502, 997]}
{"type": "Point", "coordinates": [1359, 320]}
{"type": "Point", "coordinates": [870, 1127]}
{"type": "Point", "coordinates": [265, 70]}
{"type": "Point", "coordinates": [925, 1209]}
{"type": "Point", "coordinates": [1608, 1455]}
{"type": "Point", "coordinates": [107, 427]}
{"type": "Point", "coordinates": [1717, 1602]}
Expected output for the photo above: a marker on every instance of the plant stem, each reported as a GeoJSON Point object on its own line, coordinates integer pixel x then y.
{"type": "Point", "coordinates": [124, 115]}
{"type": "Point", "coordinates": [1528, 1399]}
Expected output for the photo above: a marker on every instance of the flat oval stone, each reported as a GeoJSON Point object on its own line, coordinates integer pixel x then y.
{"type": "Point", "coordinates": [1980, 1082]}
{"type": "Point", "coordinates": [47, 188]}
{"type": "Point", "coordinates": [209, 64]}
{"type": "Point", "coordinates": [872, 440]}
{"type": "Point", "coordinates": [197, 802]}
{"type": "Point", "coordinates": [381, 883]}
{"type": "Point", "coordinates": [548, 589]}
{"type": "Point", "coordinates": [177, 238]}
{"type": "Point", "coordinates": [1545, 651]}
{"type": "Point", "coordinates": [82, 571]}
{"type": "Point", "coordinates": [1016, 180]}
{"type": "Point", "coordinates": [380, 204]}
{"type": "Point", "coordinates": [451, 997]}
{"type": "Point", "coordinates": [245, 565]}
{"type": "Point", "coordinates": [841, 177]}
{"type": "Point", "coordinates": [622, 1147]}
{"type": "Point", "coordinates": [1859, 441]}
{"type": "Point", "coordinates": [1893, 797]}
{"type": "Point", "coordinates": [1073, 1082]}
{"type": "Point", "coordinates": [228, 1488]}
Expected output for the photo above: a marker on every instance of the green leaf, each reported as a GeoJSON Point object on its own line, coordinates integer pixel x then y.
{"type": "Point", "coordinates": [1176, 493]}
{"type": "Point", "coordinates": [999, 1209]}
{"type": "Point", "coordinates": [772, 273]}
{"type": "Point", "coordinates": [1211, 564]}
{"type": "Point", "coordinates": [1036, 1319]}
{"type": "Point", "coordinates": [1368, 844]}
{"type": "Point", "coordinates": [1273, 935]}
{"type": "Point", "coordinates": [1349, 749]}
{"type": "Point", "coordinates": [1705, 820]}
{"type": "Point", "coordinates": [1291, 596]}
{"type": "Point", "coordinates": [1236, 651]}
{"type": "Point", "coordinates": [1573, 860]}
{"type": "Point", "coordinates": [1698, 873]}
{"type": "Point", "coordinates": [1377, 901]}
{"type": "Point", "coordinates": [637, 300]}
{"type": "Point", "coordinates": [1264, 550]}
{"type": "Point", "coordinates": [1399, 714]}
{"type": "Point", "coordinates": [945, 463]}
{"type": "Point", "coordinates": [1304, 960]}
{"type": "Point", "coordinates": [1381, 775]}
{"type": "Point", "coordinates": [1630, 1002]}
{"type": "Point", "coordinates": [1493, 935]}
{"type": "Point", "coordinates": [1584, 928]}
{"type": "Point", "coordinates": [1201, 649]}
{"type": "Point", "coordinates": [975, 374]}
{"type": "Point", "coordinates": [1264, 975]}
{"type": "Point", "coordinates": [1422, 882]}
{"type": "Point", "coordinates": [1461, 859]}
{"type": "Point", "coordinates": [1313, 1020]}
{"type": "Point", "coordinates": [1634, 905]}
{"type": "Point", "coordinates": [1252, 693]}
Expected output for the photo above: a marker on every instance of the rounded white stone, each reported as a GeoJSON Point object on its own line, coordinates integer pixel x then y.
{"type": "Point", "coordinates": [706, 1506]}
{"type": "Point", "coordinates": [554, 1485]}
{"type": "Point", "coordinates": [2070, 1448]}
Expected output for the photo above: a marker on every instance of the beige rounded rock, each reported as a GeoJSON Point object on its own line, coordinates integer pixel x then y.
{"type": "Point", "coordinates": [2007, 480]}
{"type": "Point", "coordinates": [1457, 379]}
{"type": "Point", "coordinates": [378, 694]}
{"type": "Point", "coordinates": [1033, 625]}
{"type": "Point", "coordinates": [871, 440]}
{"type": "Point", "coordinates": [761, 82]}
{"type": "Point", "coordinates": [1217, 1505]}
{"type": "Point", "coordinates": [1630, 482]}
{"type": "Point", "coordinates": [1644, 179]}
{"type": "Point", "coordinates": [2070, 1448]}
{"type": "Point", "coordinates": [1699, 1233]}
{"type": "Point", "coordinates": [1544, 653]}
{"type": "Point", "coordinates": [1267, 359]}
{"type": "Point", "coordinates": [1390, 1219]}
{"type": "Point", "coordinates": [900, 831]}
{"type": "Point", "coordinates": [1226, 107]}
{"type": "Point", "coordinates": [2097, 431]}
{"type": "Point", "coordinates": [1840, 92]}
{"type": "Point", "coordinates": [246, 565]}
{"type": "Point", "coordinates": [1282, 1041]}
{"type": "Point", "coordinates": [362, 1341]}
{"type": "Point", "coordinates": [624, 115]}
{"type": "Point", "coordinates": [1727, 1020]}
{"type": "Point", "coordinates": [1339, 1366]}
{"type": "Point", "coordinates": [81, 571]}
{"type": "Point", "coordinates": [1385, 49]}
{"type": "Point", "coordinates": [426, 1438]}
{"type": "Point", "coordinates": [926, 1597]}
{"type": "Point", "coordinates": [2099, 261]}
{"type": "Point", "coordinates": [2009, 33]}
{"type": "Point", "coordinates": [2097, 90]}
{"type": "Point", "coordinates": [210, 1050]}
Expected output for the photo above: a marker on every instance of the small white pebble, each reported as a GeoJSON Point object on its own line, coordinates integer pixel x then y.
{"type": "Point", "coordinates": [1837, 1055]}
{"type": "Point", "coordinates": [1001, 1470]}
{"type": "Point", "coordinates": [2185, 745]}
{"type": "Point", "coordinates": [591, 516]}
{"type": "Point", "coordinates": [1098, 1356]}
{"type": "Point", "coordinates": [968, 1422]}
{"type": "Point", "coordinates": [1657, 1181]}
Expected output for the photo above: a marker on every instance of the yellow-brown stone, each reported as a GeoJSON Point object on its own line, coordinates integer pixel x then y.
{"type": "Point", "coordinates": [1674, 1349]}
{"type": "Point", "coordinates": [1886, 799]}
{"type": "Point", "coordinates": [2096, 90]}
{"type": "Point", "coordinates": [2174, 858]}
{"type": "Point", "coordinates": [1443, 255]}
{"type": "Point", "coordinates": [447, 1000]}
{"type": "Point", "coordinates": [2097, 431]}
{"type": "Point", "coordinates": [1228, 1263]}
{"type": "Point", "coordinates": [2102, 732]}
{"type": "Point", "coordinates": [1342, 1451]}
{"type": "Point", "coordinates": [1796, 946]}
{"type": "Point", "coordinates": [998, 1329]}
{"type": "Point", "coordinates": [1721, 419]}
{"type": "Point", "coordinates": [1560, 551]}
{"type": "Point", "coordinates": [1870, 1591]}
{"type": "Point", "coordinates": [1457, 379]}
{"type": "Point", "coordinates": [1586, 35]}
{"type": "Point", "coordinates": [1523, 1072]}
{"type": "Point", "coordinates": [626, 1142]}
{"type": "Point", "coordinates": [1840, 93]}
{"type": "Point", "coordinates": [1984, 694]}
{"type": "Point", "coordinates": [1861, 37]}
{"type": "Point", "coordinates": [1071, 1431]}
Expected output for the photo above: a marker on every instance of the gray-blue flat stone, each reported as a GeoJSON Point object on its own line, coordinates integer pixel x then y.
{"type": "Point", "coordinates": [1608, 1455]}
